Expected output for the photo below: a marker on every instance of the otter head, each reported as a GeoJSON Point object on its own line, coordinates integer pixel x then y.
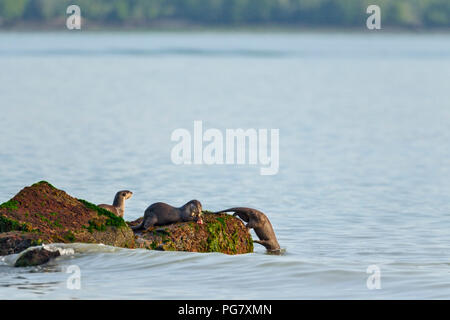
{"type": "Point", "coordinates": [125, 194]}
{"type": "Point", "coordinates": [119, 199]}
{"type": "Point", "coordinates": [195, 208]}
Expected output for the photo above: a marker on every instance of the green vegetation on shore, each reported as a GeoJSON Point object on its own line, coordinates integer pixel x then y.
{"type": "Point", "coordinates": [223, 13]}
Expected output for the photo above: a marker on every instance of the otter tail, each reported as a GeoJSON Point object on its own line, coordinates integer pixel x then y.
{"type": "Point", "coordinates": [229, 210]}
{"type": "Point", "coordinates": [138, 227]}
{"type": "Point", "coordinates": [237, 210]}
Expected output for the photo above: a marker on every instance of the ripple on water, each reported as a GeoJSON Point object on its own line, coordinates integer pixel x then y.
{"type": "Point", "coordinates": [361, 181]}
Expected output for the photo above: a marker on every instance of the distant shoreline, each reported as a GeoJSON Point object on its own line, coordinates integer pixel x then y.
{"type": "Point", "coordinates": [178, 26]}
{"type": "Point", "coordinates": [270, 30]}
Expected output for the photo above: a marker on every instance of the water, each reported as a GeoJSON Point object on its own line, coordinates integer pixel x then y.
{"type": "Point", "coordinates": [364, 173]}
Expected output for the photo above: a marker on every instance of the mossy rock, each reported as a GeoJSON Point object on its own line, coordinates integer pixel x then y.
{"type": "Point", "coordinates": [42, 213]}
{"type": "Point", "coordinates": [52, 215]}
{"type": "Point", "coordinates": [17, 241]}
{"type": "Point", "coordinates": [219, 233]}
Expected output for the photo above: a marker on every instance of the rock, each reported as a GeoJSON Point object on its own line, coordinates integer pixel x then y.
{"type": "Point", "coordinates": [35, 257]}
{"type": "Point", "coordinates": [218, 233]}
{"type": "Point", "coordinates": [15, 242]}
{"type": "Point", "coordinates": [42, 213]}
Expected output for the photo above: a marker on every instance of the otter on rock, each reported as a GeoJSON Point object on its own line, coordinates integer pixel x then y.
{"type": "Point", "coordinates": [260, 223]}
{"type": "Point", "coordinates": [161, 213]}
{"type": "Point", "coordinates": [118, 206]}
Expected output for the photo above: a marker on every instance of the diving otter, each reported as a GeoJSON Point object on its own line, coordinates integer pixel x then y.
{"type": "Point", "coordinates": [161, 213]}
{"type": "Point", "coordinates": [260, 223]}
{"type": "Point", "coordinates": [118, 206]}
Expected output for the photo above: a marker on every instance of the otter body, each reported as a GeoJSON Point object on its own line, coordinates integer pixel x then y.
{"type": "Point", "coordinates": [161, 213]}
{"type": "Point", "coordinates": [259, 222]}
{"type": "Point", "coordinates": [118, 206]}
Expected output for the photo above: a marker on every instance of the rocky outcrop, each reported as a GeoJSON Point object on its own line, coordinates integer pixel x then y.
{"type": "Point", "coordinates": [218, 233]}
{"type": "Point", "coordinates": [35, 257]}
{"type": "Point", "coordinates": [17, 241]}
{"type": "Point", "coordinates": [42, 213]}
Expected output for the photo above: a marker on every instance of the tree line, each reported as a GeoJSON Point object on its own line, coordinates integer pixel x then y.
{"type": "Point", "coordinates": [326, 13]}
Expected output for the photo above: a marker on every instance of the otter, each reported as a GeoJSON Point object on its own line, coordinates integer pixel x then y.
{"type": "Point", "coordinates": [118, 206]}
{"type": "Point", "coordinates": [260, 223]}
{"type": "Point", "coordinates": [161, 213]}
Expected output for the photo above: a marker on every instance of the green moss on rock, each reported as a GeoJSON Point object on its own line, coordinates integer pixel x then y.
{"type": "Point", "coordinates": [219, 233]}
{"type": "Point", "coordinates": [218, 239]}
{"type": "Point", "coordinates": [7, 224]}
{"type": "Point", "coordinates": [37, 242]}
{"type": "Point", "coordinates": [112, 219]}
{"type": "Point", "coordinates": [11, 205]}
{"type": "Point", "coordinates": [43, 182]}
{"type": "Point", "coordinates": [69, 236]}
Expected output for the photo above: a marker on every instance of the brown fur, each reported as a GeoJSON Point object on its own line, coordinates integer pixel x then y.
{"type": "Point", "coordinates": [118, 206]}
{"type": "Point", "coordinates": [161, 213]}
{"type": "Point", "coordinates": [260, 223]}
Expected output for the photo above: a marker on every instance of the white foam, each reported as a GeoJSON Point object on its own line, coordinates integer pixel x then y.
{"type": "Point", "coordinates": [62, 251]}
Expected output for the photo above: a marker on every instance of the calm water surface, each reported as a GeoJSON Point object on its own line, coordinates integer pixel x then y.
{"type": "Point", "coordinates": [364, 173]}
